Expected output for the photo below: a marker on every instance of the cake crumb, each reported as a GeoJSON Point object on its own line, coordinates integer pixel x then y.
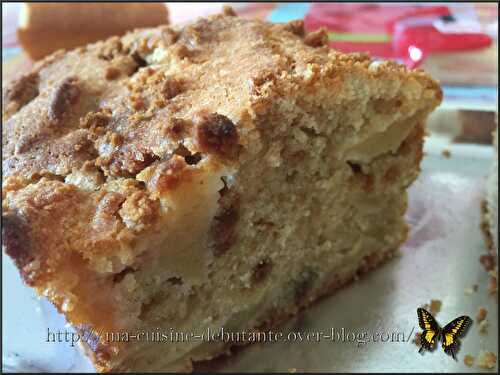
{"type": "Point", "coordinates": [486, 360]}
{"type": "Point", "coordinates": [488, 262]}
{"type": "Point", "coordinates": [481, 314]}
{"type": "Point", "coordinates": [434, 307]}
{"type": "Point", "coordinates": [483, 327]}
{"type": "Point", "coordinates": [112, 73]}
{"type": "Point", "coordinates": [417, 340]}
{"type": "Point", "coordinates": [492, 288]}
{"type": "Point", "coordinates": [469, 360]}
{"type": "Point", "coordinates": [446, 153]}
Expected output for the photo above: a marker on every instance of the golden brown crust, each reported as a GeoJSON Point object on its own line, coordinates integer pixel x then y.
{"type": "Point", "coordinates": [65, 95]}
{"type": "Point", "coordinates": [143, 83]}
{"type": "Point", "coordinates": [216, 134]}
{"type": "Point", "coordinates": [20, 92]}
{"type": "Point", "coordinates": [167, 175]}
{"type": "Point", "coordinates": [49, 221]}
{"type": "Point", "coordinates": [318, 38]}
{"type": "Point", "coordinates": [17, 240]}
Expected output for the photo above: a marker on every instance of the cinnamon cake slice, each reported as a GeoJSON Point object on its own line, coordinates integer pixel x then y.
{"type": "Point", "coordinates": [222, 174]}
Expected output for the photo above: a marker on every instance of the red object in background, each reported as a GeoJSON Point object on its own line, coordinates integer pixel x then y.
{"type": "Point", "coordinates": [428, 11]}
{"type": "Point", "coordinates": [359, 19]}
{"type": "Point", "coordinates": [414, 38]}
{"type": "Point", "coordinates": [401, 31]}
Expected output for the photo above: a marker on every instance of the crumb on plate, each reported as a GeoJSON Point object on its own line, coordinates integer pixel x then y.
{"type": "Point", "coordinates": [468, 360]}
{"type": "Point", "coordinates": [488, 262]}
{"type": "Point", "coordinates": [482, 313]}
{"type": "Point", "coordinates": [483, 327]}
{"type": "Point", "coordinates": [492, 288]}
{"type": "Point", "coordinates": [486, 360]}
{"type": "Point", "coordinates": [417, 339]}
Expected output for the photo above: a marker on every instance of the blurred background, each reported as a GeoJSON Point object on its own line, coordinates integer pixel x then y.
{"type": "Point", "coordinates": [457, 43]}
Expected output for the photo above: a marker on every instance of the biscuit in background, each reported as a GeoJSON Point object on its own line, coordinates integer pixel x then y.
{"type": "Point", "coordinates": [46, 27]}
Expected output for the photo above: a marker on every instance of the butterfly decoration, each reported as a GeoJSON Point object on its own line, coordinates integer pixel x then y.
{"type": "Point", "coordinates": [448, 335]}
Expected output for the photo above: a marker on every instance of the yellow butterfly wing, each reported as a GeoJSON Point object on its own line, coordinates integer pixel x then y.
{"type": "Point", "coordinates": [452, 331]}
{"type": "Point", "coordinates": [431, 329]}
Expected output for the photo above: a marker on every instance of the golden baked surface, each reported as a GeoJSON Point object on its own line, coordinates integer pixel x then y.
{"type": "Point", "coordinates": [123, 103]}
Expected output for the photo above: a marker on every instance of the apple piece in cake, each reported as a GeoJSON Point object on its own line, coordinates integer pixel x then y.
{"type": "Point", "coordinates": [226, 174]}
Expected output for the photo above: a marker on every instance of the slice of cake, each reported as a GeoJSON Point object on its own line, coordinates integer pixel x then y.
{"type": "Point", "coordinates": [219, 175]}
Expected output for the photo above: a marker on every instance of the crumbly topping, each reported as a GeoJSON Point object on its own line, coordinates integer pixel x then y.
{"type": "Point", "coordinates": [51, 222]}
{"type": "Point", "coordinates": [216, 134]}
{"type": "Point", "coordinates": [20, 92]}
{"type": "Point", "coordinates": [295, 27]}
{"type": "Point", "coordinates": [64, 96]}
{"type": "Point", "coordinates": [139, 210]}
{"type": "Point", "coordinates": [318, 38]}
{"type": "Point", "coordinates": [94, 137]}
{"type": "Point", "coordinates": [153, 76]}
{"type": "Point", "coordinates": [166, 175]}
{"type": "Point", "coordinates": [228, 11]}
{"type": "Point", "coordinates": [96, 121]}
